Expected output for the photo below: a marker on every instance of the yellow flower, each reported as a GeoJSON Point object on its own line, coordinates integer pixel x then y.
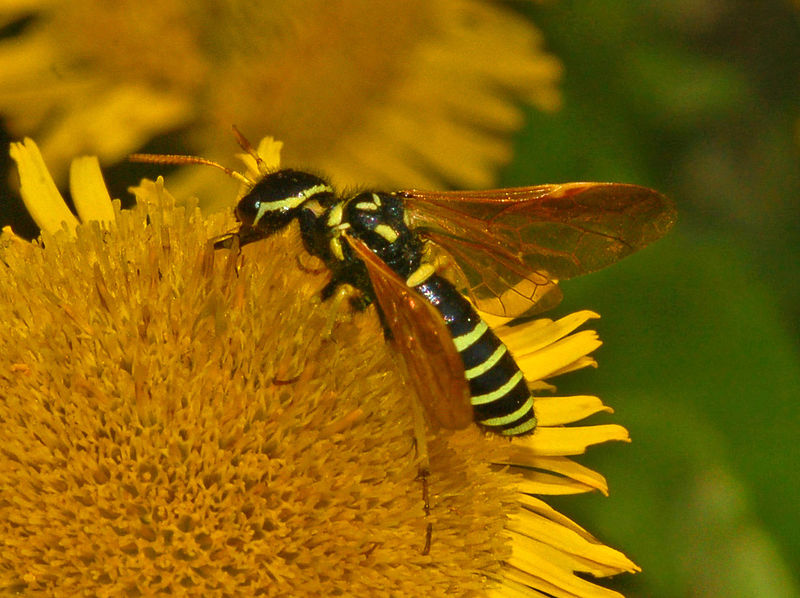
{"type": "Point", "coordinates": [396, 94]}
{"type": "Point", "coordinates": [172, 422]}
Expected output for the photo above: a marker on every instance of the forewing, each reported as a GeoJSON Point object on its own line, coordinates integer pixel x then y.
{"type": "Point", "coordinates": [513, 245]}
{"type": "Point", "coordinates": [495, 279]}
{"type": "Point", "coordinates": [420, 335]}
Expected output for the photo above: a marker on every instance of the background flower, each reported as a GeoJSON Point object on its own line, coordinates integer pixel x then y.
{"type": "Point", "coordinates": [414, 93]}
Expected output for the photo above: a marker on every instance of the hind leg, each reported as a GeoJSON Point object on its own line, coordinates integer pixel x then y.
{"type": "Point", "coordinates": [424, 467]}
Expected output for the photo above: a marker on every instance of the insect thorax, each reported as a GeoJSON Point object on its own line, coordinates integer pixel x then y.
{"type": "Point", "coordinates": [378, 219]}
{"type": "Point", "coordinates": [375, 218]}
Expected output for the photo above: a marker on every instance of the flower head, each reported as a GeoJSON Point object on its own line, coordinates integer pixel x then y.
{"type": "Point", "coordinates": [174, 422]}
{"type": "Point", "coordinates": [390, 93]}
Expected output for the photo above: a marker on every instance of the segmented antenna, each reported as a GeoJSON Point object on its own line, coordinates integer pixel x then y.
{"type": "Point", "coordinates": [248, 147]}
{"type": "Point", "coordinates": [181, 159]}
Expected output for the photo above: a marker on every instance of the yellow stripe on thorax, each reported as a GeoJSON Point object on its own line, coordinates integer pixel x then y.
{"type": "Point", "coordinates": [387, 232]}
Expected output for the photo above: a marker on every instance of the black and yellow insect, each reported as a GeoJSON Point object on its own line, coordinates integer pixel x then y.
{"type": "Point", "coordinates": [510, 245]}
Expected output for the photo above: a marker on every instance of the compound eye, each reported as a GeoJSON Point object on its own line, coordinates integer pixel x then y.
{"type": "Point", "coordinates": [247, 210]}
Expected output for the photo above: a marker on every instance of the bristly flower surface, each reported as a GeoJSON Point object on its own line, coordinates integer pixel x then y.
{"type": "Point", "coordinates": [173, 422]}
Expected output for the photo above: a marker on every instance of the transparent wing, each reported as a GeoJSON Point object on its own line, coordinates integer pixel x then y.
{"type": "Point", "coordinates": [513, 245]}
{"type": "Point", "coordinates": [420, 335]}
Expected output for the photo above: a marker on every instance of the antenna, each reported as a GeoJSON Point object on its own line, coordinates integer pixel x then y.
{"type": "Point", "coordinates": [181, 159]}
{"type": "Point", "coordinates": [248, 147]}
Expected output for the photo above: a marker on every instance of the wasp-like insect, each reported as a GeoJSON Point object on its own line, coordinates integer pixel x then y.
{"type": "Point", "coordinates": [510, 246]}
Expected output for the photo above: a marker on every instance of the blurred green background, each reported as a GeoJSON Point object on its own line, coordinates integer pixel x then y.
{"type": "Point", "coordinates": [700, 100]}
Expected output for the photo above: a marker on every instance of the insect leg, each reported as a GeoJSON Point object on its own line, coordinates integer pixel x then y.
{"type": "Point", "coordinates": [303, 266]}
{"type": "Point", "coordinates": [341, 293]}
{"type": "Point", "coordinates": [421, 442]}
{"type": "Point", "coordinates": [333, 287]}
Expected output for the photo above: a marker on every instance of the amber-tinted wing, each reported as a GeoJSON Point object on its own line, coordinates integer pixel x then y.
{"type": "Point", "coordinates": [513, 245]}
{"type": "Point", "coordinates": [420, 335]}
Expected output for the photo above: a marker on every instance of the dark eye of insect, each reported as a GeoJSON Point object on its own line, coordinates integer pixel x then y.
{"type": "Point", "coordinates": [246, 211]}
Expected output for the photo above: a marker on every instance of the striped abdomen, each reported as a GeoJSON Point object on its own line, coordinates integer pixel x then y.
{"type": "Point", "coordinates": [500, 397]}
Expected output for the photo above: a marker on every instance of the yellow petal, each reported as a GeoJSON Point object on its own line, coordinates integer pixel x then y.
{"type": "Point", "coordinates": [554, 411]}
{"type": "Point", "coordinates": [551, 572]}
{"type": "Point", "coordinates": [39, 192]}
{"type": "Point", "coordinates": [578, 364]}
{"type": "Point", "coordinates": [536, 334]}
{"type": "Point", "coordinates": [580, 553]}
{"type": "Point", "coordinates": [559, 355]}
{"type": "Point", "coordinates": [569, 441]}
{"type": "Point", "coordinates": [269, 152]}
{"type": "Point", "coordinates": [89, 192]}
{"type": "Point", "coordinates": [562, 466]}
{"type": "Point", "coordinates": [539, 506]}
{"type": "Point", "coordinates": [537, 482]}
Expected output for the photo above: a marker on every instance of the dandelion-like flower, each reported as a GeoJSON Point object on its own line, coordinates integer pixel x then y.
{"type": "Point", "coordinates": [173, 422]}
{"type": "Point", "coordinates": [416, 92]}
